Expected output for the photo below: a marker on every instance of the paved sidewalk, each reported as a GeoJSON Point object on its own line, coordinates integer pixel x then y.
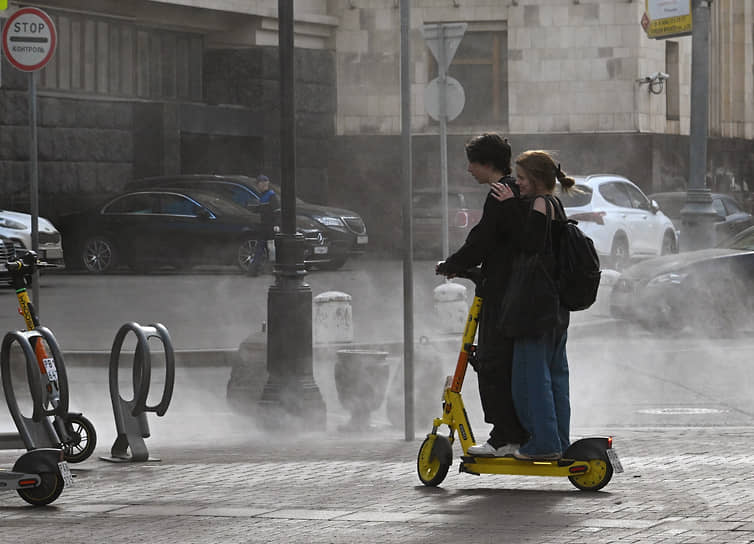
{"type": "Point", "coordinates": [341, 488]}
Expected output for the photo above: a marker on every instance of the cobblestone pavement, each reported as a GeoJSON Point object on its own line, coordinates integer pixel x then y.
{"type": "Point", "coordinates": [681, 484]}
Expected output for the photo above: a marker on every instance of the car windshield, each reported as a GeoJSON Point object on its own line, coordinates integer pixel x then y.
{"type": "Point", "coordinates": [743, 240]}
{"type": "Point", "coordinates": [579, 195]}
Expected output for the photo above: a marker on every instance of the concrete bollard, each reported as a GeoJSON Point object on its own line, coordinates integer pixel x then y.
{"type": "Point", "coordinates": [451, 307]}
{"type": "Point", "coordinates": [333, 320]}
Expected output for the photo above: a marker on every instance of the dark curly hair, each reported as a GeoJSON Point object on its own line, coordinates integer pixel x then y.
{"type": "Point", "coordinates": [490, 149]}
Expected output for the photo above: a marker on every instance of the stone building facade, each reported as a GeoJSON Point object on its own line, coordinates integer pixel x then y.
{"type": "Point", "coordinates": [155, 87]}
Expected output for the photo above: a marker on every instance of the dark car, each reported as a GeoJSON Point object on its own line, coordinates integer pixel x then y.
{"type": "Point", "coordinates": [731, 217]}
{"type": "Point", "coordinates": [465, 205]}
{"type": "Point", "coordinates": [345, 230]}
{"type": "Point", "coordinates": [149, 229]}
{"type": "Point", "coordinates": [711, 290]}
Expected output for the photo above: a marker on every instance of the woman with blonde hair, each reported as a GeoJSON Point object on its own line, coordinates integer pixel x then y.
{"type": "Point", "coordinates": [540, 366]}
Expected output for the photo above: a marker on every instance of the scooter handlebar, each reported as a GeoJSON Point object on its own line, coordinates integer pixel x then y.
{"type": "Point", "coordinates": [474, 274]}
{"type": "Point", "coordinates": [26, 262]}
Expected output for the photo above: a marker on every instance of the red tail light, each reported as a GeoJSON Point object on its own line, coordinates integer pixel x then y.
{"type": "Point", "coordinates": [593, 217]}
{"type": "Point", "coordinates": [462, 220]}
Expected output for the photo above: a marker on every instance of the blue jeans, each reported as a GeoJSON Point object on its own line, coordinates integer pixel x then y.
{"type": "Point", "coordinates": [540, 392]}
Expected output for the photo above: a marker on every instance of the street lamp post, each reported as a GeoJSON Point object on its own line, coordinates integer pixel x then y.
{"type": "Point", "coordinates": [291, 398]}
{"type": "Point", "coordinates": [697, 216]}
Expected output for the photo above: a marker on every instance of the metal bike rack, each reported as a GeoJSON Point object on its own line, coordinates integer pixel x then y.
{"type": "Point", "coordinates": [37, 431]}
{"type": "Point", "coordinates": [131, 415]}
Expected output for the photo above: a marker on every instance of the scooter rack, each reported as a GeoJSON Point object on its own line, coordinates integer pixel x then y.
{"type": "Point", "coordinates": [130, 415]}
{"type": "Point", "coordinates": [37, 431]}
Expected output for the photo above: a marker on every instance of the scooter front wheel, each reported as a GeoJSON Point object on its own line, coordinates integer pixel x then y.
{"type": "Point", "coordinates": [433, 462]}
{"type": "Point", "coordinates": [50, 487]}
{"type": "Point", "coordinates": [600, 473]}
{"type": "Point", "coordinates": [83, 439]}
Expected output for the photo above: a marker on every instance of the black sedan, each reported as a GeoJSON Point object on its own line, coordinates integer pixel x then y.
{"type": "Point", "coordinates": [146, 230]}
{"type": "Point", "coordinates": [711, 290]}
{"type": "Point", "coordinates": [344, 229]}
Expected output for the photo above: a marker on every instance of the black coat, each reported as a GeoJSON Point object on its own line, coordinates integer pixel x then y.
{"type": "Point", "coordinates": [488, 244]}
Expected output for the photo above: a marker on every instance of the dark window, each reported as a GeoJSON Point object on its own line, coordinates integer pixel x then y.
{"type": "Point", "coordinates": [178, 205]}
{"type": "Point", "coordinates": [615, 194]}
{"type": "Point", "coordinates": [138, 203]}
{"type": "Point", "coordinates": [672, 84]}
{"type": "Point", "coordinates": [481, 67]}
{"type": "Point", "coordinates": [638, 200]}
{"type": "Point", "coordinates": [103, 56]}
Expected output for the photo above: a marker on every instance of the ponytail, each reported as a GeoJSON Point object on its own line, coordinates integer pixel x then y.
{"type": "Point", "coordinates": [565, 181]}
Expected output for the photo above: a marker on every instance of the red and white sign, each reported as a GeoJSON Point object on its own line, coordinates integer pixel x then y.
{"type": "Point", "coordinates": [29, 39]}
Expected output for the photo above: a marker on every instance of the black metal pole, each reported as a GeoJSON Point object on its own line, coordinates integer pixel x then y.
{"type": "Point", "coordinates": [698, 216]}
{"type": "Point", "coordinates": [291, 398]}
{"type": "Point", "coordinates": [408, 236]}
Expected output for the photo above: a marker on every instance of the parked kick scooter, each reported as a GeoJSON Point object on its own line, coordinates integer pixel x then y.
{"type": "Point", "coordinates": [76, 433]}
{"type": "Point", "coordinates": [588, 463]}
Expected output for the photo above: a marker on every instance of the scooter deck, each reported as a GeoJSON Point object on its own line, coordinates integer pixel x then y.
{"type": "Point", "coordinates": [511, 465]}
{"type": "Point", "coordinates": [16, 480]}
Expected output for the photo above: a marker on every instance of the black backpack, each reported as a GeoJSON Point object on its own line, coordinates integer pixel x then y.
{"type": "Point", "coordinates": [578, 266]}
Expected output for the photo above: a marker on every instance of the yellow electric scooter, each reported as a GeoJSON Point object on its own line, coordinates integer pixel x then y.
{"type": "Point", "coordinates": [588, 463]}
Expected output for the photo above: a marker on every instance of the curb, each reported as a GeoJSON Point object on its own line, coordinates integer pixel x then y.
{"type": "Point", "coordinates": [183, 358]}
{"type": "Point", "coordinates": [192, 358]}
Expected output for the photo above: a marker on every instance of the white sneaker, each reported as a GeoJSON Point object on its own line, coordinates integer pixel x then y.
{"type": "Point", "coordinates": [508, 449]}
{"type": "Point", "coordinates": [488, 450]}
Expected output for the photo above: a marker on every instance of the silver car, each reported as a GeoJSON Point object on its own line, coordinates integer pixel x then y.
{"type": "Point", "coordinates": [16, 227]}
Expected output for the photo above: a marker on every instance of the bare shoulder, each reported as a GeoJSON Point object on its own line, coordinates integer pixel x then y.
{"type": "Point", "coordinates": [539, 205]}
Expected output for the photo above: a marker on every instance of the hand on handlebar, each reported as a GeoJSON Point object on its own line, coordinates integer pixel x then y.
{"type": "Point", "coordinates": [441, 270]}
{"type": "Point", "coordinates": [474, 274]}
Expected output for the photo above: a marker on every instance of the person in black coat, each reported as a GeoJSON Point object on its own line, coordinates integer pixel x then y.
{"type": "Point", "coordinates": [489, 158]}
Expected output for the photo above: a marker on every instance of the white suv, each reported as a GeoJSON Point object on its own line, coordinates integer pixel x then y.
{"type": "Point", "coordinates": [16, 226]}
{"type": "Point", "coordinates": [623, 223]}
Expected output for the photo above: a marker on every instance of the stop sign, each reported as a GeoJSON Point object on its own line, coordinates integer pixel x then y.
{"type": "Point", "coordinates": [29, 39]}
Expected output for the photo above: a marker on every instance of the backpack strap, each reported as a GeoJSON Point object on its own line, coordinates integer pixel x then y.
{"type": "Point", "coordinates": [548, 220]}
{"type": "Point", "coordinates": [559, 209]}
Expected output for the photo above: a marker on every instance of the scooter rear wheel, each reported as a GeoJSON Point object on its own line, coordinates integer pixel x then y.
{"type": "Point", "coordinates": [433, 462]}
{"type": "Point", "coordinates": [49, 489]}
{"type": "Point", "coordinates": [600, 473]}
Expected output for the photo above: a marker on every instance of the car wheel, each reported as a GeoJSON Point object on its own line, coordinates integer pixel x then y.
{"type": "Point", "coordinates": [99, 255]}
{"type": "Point", "coordinates": [668, 244]}
{"type": "Point", "coordinates": [619, 252]}
{"type": "Point", "coordinates": [246, 259]}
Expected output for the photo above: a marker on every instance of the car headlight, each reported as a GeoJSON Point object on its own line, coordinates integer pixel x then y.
{"type": "Point", "coordinates": [664, 279]}
{"type": "Point", "coordinates": [329, 221]}
{"type": "Point", "coordinates": [11, 224]}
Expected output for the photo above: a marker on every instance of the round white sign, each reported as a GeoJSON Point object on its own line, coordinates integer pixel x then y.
{"type": "Point", "coordinates": [455, 98]}
{"type": "Point", "coordinates": [29, 39]}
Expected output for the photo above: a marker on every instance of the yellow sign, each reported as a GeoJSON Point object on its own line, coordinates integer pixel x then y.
{"type": "Point", "coordinates": [666, 18]}
{"type": "Point", "coordinates": [3, 4]}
